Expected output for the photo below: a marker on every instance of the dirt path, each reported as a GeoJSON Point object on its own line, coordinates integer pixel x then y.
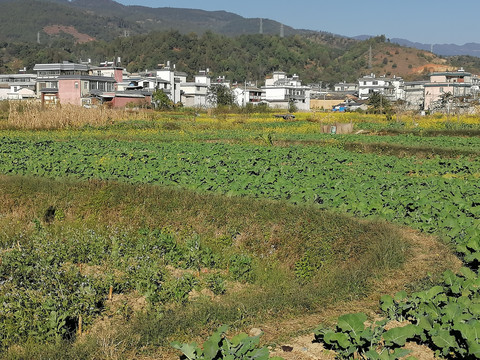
{"type": "Point", "coordinates": [428, 255]}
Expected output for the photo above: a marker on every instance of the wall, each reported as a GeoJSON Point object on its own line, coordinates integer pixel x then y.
{"type": "Point", "coordinates": [326, 104]}
{"type": "Point", "coordinates": [69, 91]}
{"type": "Point", "coordinates": [119, 102]}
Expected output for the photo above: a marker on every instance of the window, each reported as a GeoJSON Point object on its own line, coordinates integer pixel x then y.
{"type": "Point", "coordinates": [76, 84]}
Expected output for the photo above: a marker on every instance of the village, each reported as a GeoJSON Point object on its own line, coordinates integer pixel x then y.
{"type": "Point", "coordinates": [109, 83]}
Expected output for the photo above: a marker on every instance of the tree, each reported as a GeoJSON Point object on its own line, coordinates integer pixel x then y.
{"type": "Point", "coordinates": [220, 95]}
{"type": "Point", "coordinates": [291, 106]}
{"type": "Point", "coordinates": [161, 100]}
{"type": "Point", "coordinates": [379, 104]}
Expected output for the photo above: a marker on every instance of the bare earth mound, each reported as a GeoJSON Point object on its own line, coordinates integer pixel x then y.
{"type": "Point", "coordinates": [57, 29]}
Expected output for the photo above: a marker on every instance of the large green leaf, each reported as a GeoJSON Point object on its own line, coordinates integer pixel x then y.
{"type": "Point", "coordinates": [337, 337]}
{"type": "Point", "coordinates": [445, 341]}
{"type": "Point", "coordinates": [399, 336]}
{"type": "Point", "coordinates": [352, 322]}
{"type": "Point", "coordinates": [189, 350]}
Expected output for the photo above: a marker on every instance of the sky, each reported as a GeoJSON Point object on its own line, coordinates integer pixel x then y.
{"type": "Point", "coordinates": [424, 21]}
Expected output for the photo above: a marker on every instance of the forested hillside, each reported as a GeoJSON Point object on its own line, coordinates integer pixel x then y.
{"type": "Point", "coordinates": [315, 58]}
{"type": "Point", "coordinates": [58, 30]}
{"type": "Point", "coordinates": [21, 20]}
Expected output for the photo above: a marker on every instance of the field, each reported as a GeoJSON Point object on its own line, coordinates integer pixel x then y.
{"type": "Point", "coordinates": [124, 231]}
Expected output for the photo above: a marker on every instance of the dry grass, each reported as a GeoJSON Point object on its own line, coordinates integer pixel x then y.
{"type": "Point", "coordinates": [428, 255]}
{"type": "Point", "coordinates": [34, 116]}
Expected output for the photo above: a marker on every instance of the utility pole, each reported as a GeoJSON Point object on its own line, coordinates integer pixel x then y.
{"type": "Point", "coordinates": [370, 57]}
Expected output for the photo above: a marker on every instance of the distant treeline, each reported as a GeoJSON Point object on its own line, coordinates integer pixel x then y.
{"type": "Point", "coordinates": [246, 57]}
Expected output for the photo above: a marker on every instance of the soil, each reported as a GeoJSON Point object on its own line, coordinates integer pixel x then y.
{"type": "Point", "coordinates": [79, 37]}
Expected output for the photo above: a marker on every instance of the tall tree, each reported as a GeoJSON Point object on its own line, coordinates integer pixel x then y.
{"type": "Point", "coordinates": [220, 95]}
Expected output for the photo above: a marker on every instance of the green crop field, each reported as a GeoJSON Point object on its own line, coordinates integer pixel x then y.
{"type": "Point", "coordinates": [142, 232]}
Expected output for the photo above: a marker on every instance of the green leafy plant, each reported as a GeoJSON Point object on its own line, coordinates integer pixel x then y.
{"type": "Point", "coordinates": [216, 283]}
{"type": "Point", "coordinates": [241, 268]}
{"type": "Point", "coordinates": [218, 346]}
{"type": "Point", "coordinates": [352, 339]}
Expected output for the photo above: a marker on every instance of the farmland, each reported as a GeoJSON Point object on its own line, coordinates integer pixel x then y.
{"type": "Point", "coordinates": [164, 226]}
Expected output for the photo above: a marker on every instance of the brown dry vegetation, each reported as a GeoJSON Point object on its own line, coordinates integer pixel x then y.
{"type": "Point", "coordinates": [34, 116]}
{"type": "Point", "coordinates": [79, 37]}
{"type": "Point", "coordinates": [409, 63]}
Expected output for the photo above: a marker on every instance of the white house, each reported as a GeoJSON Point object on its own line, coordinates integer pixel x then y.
{"type": "Point", "coordinates": [17, 86]}
{"type": "Point", "coordinates": [194, 94]}
{"type": "Point", "coordinates": [248, 94]}
{"type": "Point", "coordinates": [169, 80]}
{"type": "Point", "coordinates": [164, 78]}
{"type": "Point", "coordinates": [281, 91]}
{"type": "Point", "coordinates": [391, 88]}
{"type": "Point", "coordinates": [345, 87]}
{"type": "Point", "coordinates": [414, 95]}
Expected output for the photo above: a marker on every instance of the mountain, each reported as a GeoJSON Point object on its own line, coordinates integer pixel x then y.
{"type": "Point", "coordinates": [472, 49]}
{"type": "Point", "coordinates": [107, 19]}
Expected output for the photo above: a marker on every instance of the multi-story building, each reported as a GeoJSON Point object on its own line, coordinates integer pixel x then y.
{"type": "Point", "coordinates": [194, 94]}
{"type": "Point", "coordinates": [79, 89]}
{"type": "Point", "coordinates": [391, 88]}
{"type": "Point", "coordinates": [17, 86]}
{"type": "Point", "coordinates": [47, 74]}
{"type": "Point", "coordinates": [248, 94]}
{"type": "Point", "coordinates": [414, 95]}
{"type": "Point", "coordinates": [81, 84]}
{"type": "Point", "coordinates": [282, 91]}
{"type": "Point", "coordinates": [457, 83]}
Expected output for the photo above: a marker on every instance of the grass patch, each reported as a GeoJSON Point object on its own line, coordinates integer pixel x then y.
{"type": "Point", "coordinates": [403, 150]}
{"type": "Point", "coordinates": [158, 244]}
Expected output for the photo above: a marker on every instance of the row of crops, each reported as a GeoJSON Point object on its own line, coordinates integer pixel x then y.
{"type": "Point", "coordinates": [434, 195]}
{"type": "Point", "coordinates": [259, 133]}
{"type": "Point", "coordinates": [438, 196]}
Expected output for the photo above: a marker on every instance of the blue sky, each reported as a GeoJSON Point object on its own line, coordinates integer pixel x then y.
{"type": "Point", "coordinates": [426, 21]}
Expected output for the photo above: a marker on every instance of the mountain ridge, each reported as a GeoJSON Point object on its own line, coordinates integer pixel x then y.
{"type": "Point", "coordinates": [108, 19]}
{"type": "Point", "coordinates": [445, 49]}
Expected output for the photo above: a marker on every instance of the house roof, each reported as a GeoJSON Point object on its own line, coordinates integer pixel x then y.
{"type": "Point", "coordinates": [87, 77]}
{"type": "Point", "coordinates": [61, 66]}
{"type": "Point", "coordinates": [448, 84]}
{"type": "Point", "coordinates": [49, 91]}
{"type": "Point", "coordinates": [451, 73]}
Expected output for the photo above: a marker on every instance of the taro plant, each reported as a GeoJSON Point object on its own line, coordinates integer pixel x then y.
{"type": "Point", "coordinates": [240, 347]}
{"type": "Point", "coordinates": [447, 317]}
{"type": "Point", "coordinates": [351, 339]}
